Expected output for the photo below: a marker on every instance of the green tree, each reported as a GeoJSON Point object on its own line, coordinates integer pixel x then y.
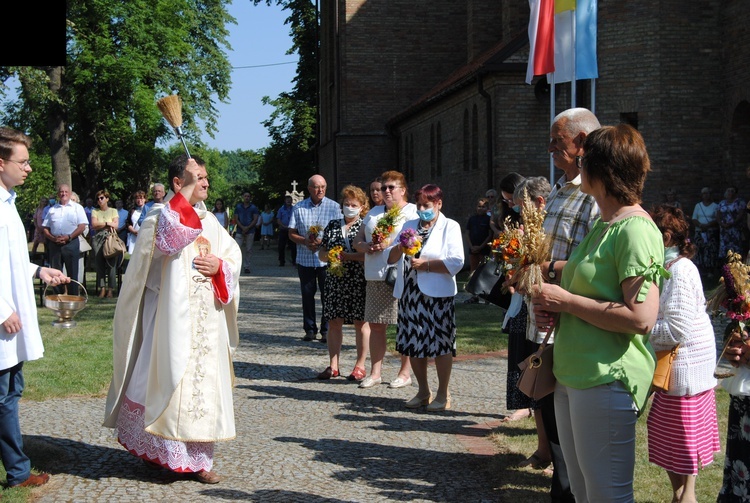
{"type": "Point", "coordinates": [122, 56]}
{"type": "Point", "coordinates": [292, 125]}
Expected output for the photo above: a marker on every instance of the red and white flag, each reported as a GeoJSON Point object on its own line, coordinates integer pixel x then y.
{"type": "Point", "coordinates": [541, 38]}
{"type": "Point", "coordinates": [562, 40]}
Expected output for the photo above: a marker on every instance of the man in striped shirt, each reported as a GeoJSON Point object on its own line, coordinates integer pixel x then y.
{"type": "Point", "coordinates": [570, 216]}
{"type": "Point", "coordinates": [309, 217]}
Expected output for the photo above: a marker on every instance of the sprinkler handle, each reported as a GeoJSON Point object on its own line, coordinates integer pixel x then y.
{"type": "Point", "coordinates": [178, 132]}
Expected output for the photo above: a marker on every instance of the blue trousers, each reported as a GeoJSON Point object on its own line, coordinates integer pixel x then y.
{"type": "Point", "coordinates": [312, 279]}
{"type": "Point", "coordinates": [16, 463]}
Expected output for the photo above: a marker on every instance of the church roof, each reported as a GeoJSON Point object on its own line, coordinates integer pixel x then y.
{"type": "Point", "coordinates": [496, 59]}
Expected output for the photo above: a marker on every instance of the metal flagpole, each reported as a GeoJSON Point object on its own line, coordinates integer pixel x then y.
{"type": "Point", "coordinates": [573, 59]}
{"type": "Point", "coordinates": [593, 96]}
{"type": "Point", "coordinates": [551, 78]}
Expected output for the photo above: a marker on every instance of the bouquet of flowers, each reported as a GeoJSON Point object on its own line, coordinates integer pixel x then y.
{"type": "Point", "coordinates": [410, 242]}
{"type": "Point", "coordinates": [731, 299]}
{"type": "Point", "coordinates": [385, 225]}
{"type": "Point", "coordinates": [314, 231]}
{"type": "Point", "coordinates": [335, 264]}
{"type": "Point", "coordinates": [522, 248]}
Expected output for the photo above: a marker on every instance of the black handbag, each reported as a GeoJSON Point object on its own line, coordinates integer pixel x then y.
{"type": "Point", "coordinates": [486, 283]}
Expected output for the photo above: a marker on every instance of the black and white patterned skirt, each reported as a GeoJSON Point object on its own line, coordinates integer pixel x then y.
{"type": "Point", "coordinates": [426, 325]}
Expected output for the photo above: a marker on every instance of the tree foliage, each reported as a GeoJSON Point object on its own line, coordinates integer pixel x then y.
{"type": "Point", "coordinates": [123, 56]}
{"type": "Point", "coordinates": [292, 125]}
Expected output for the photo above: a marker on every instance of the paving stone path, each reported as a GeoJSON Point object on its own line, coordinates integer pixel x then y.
{"type": "Point", "coordinates": [298, 439]}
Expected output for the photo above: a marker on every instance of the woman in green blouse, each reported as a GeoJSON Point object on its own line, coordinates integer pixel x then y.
{"type": "Point", "coordinates": [104, 220]}
{"type": "Point", "coordinates": [607, 303]}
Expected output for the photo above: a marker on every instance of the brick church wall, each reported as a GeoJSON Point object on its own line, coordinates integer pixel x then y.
{"type": "Point", "coordinates": [679, 68]}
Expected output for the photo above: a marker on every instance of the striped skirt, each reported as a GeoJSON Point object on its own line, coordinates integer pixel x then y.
{"type": "Point", "coordinates": [683, 432]}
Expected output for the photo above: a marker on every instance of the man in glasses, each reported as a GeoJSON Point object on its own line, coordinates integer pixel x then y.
{"type": "Point", "coordinates": [570, 216]}
{"type": "Point", "coordinates": [19, 327]}
{"type": "Point", "coordinates": [64, 222]}
{"type": "Point", "coordinates": [309, 218]}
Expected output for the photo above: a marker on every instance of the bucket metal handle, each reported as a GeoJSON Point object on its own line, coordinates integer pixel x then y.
{"type": "Point", "coordinates": [44, 293]}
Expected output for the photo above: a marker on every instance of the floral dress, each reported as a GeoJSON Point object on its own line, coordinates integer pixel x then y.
{"type": "Point", "coordinates": [345, 294]}
{"type": "Point", "coordinates": [736, 484]}
{"type": "Point", "coordinates": [731, 238]}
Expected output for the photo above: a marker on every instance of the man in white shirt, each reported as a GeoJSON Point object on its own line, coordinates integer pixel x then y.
{"type": "Point", "coordinates": [122, 222]}
{"type": "Point", "coordinates": [64, 222]}
{"type": "Point", "coordinates": [20, 339]}
{"type": "Point", "coordinates": [158, 192]}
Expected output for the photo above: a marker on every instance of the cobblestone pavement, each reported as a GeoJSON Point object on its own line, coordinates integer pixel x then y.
{"type": "Point", "coordinates": [298, 439]}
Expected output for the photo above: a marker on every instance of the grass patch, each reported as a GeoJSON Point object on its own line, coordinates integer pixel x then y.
{"type": "Point", "coordinates": [517, 440]}
{"type": "Point", "coordinates": [77, 361]}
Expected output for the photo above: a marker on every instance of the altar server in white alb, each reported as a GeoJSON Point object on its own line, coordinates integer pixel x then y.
{"type": "Point", "coordinates": [20, 340]}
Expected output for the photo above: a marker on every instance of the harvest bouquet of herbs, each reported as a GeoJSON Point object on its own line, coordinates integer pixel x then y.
{"type": "Point", "coordinates": [410, 242]}
{"type": "Point", "coordinates": [731, 299]}
{"type": "Point", "coordinates": [522, 248]}
{"type": "Point", "coordinates": [335, 261]}
{"type": "Point", "coordinates": [385, 225]}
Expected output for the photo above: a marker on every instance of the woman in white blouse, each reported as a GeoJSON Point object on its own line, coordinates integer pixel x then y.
{"type": "Point", "coordinates": [706, 235]}
{"type": "Point", "coordinates": [683, 432]}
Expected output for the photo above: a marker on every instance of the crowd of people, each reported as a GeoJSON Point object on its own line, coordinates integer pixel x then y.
{"type": "Point", "coordinates": [602, 305]}
{"type": "Point", "coordinates": [620, 282]}
{"type": "Point", "coordinates": [55, 244]}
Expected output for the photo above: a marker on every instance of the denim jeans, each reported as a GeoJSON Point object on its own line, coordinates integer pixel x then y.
{"type": "Point", "coordinates": [16, 463]}
{"type": "Point", "coordinates": [312, 279]}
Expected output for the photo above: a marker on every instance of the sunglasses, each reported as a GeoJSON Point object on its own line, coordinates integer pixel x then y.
{"type": "Point", "coordinates": [102, 197]}
{"type": "Point", "coordinates": [389, 187]}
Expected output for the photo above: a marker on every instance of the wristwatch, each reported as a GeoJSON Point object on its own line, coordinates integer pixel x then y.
{"type": "Point", "coordinates": [551, 274]}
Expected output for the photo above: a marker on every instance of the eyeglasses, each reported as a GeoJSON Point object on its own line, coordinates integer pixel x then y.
{"type": "Point", "coordinates": [509, 202]}
{"type": "Point", "coordinates": [389, 187]}
{"type": "Point", "coordinates": [23, 164]}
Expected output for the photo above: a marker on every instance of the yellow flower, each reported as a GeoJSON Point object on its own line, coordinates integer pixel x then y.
{"type": "Point", "coordinates": [335, 264]}
{"type": "Point", "coordinates": [523, 247]}
{"type": "Point", "coordinates": [385, 225]}
{"type": "Point", "coordinates": [314, 231]}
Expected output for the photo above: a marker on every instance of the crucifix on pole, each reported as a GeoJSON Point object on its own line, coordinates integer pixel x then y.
{"type": "Point", "coordinates": [296, 195]}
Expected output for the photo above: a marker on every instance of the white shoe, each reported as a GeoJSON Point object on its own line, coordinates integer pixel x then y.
{"type": "Point", "coordinates": [399, 382]}
{"type": "Point", "coordinates": [369, 382]}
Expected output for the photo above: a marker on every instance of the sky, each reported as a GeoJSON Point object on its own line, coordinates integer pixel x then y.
{"type": "Point", "coordinates": [260, 67]}
{"type": "Point", "coordinates": [259, 38]}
